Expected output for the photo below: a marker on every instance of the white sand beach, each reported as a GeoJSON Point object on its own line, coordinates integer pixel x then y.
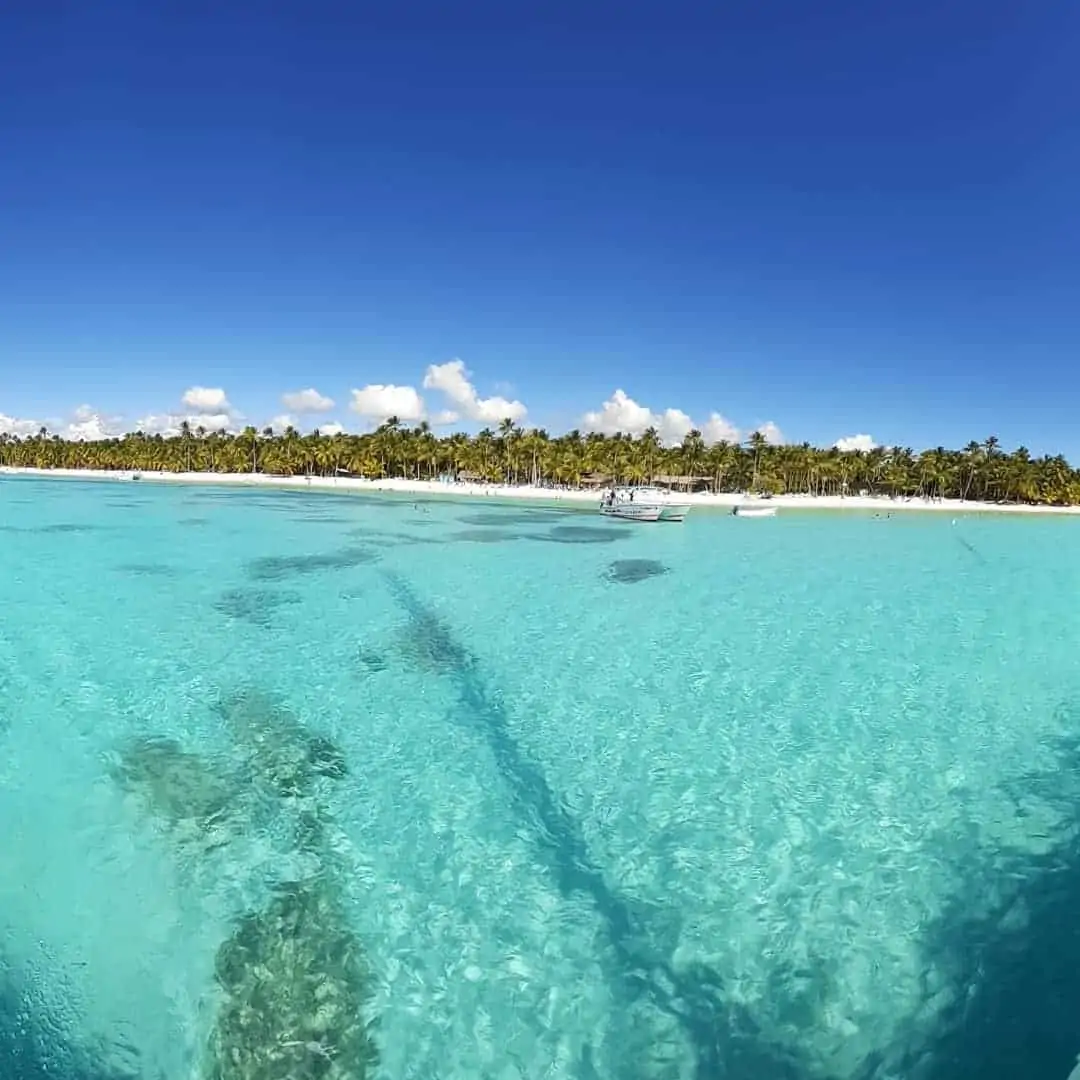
{"type": "Point", "coordinates": [705, 500]}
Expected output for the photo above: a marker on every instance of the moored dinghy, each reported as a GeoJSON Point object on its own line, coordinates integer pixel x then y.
{"type": "Point", "coordinates": [753, 510]}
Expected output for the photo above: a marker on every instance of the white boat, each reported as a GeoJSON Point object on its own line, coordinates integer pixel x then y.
{"type": "Point", "coordinates": [642, 503]}
{"type": "Point", "coordinates": [755, 510]}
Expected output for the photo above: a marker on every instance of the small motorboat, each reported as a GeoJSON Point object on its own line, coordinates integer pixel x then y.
{"type": "Point", "coordinates": [753, 510]}
{"type": "Point", "coordinates": [643, 503]}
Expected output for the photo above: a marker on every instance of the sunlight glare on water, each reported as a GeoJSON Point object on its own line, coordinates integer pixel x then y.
{"type": "Point", "coordinates": [303, 785]}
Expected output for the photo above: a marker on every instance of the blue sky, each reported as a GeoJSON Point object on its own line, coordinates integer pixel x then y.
{"type": "Point", "coordinates": [840, 217]}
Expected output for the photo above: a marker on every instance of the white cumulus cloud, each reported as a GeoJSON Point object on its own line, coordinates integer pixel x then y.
{"type": "Point", "coordinates": [771, 433]}
{"type": "Point", "coordinates": [865, 443]}
{"type": "Point", "coordinates": [304, 426]}
{"type": "Point", "coordinates": [206, 407]}
{"type": "Point", "coordinates": [305, 401]}
{"type": "Point", "coordinates": [169, 424]}
{"type": "Point", "coordinates": [379, 402]}
{"type": "Point", "coordinates": [85, 424]}
{"type": "Point", "coordinates": [19, 427]}
{"type": "Point", "coordinates": [621, 413]}
{"type": "Point", "coordinates": [88, 425]}
{"type": "Point", "coordinates": [452, 380]}
{"type": "Point", "coordinates": [719, 429]}
{"type": "Point", "coordinates": [206, 399]}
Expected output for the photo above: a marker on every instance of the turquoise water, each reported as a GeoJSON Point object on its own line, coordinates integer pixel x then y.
{"type": "Point", "coordinates": [778, 798]}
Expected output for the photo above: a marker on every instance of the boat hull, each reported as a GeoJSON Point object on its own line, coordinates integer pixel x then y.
{"type": "Point", "coordinates": [632, 512]}
{"type": "Point", "coordinates": [754, 511]}
{"type": "Point", "coordinates": [674, 511]}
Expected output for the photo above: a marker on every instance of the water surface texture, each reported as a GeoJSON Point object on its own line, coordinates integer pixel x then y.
{"type": "Point", "coordinates": [342, 787]}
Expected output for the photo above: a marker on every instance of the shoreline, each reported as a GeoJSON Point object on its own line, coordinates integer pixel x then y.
{"type": "Point", "coordinates": [461, 490]}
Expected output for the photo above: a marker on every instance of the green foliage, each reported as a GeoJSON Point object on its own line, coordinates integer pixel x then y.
{"type": "Point", "coordinates": [513, 455]}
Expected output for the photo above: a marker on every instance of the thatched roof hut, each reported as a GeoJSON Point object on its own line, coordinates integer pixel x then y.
{"type": "Point", "coordinates": [683, 483]}
{"type": "Point", "coordinates": [593, 479]}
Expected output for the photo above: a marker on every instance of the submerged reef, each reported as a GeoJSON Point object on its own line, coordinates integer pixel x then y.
{"type": "Point", "coordinates": [186, 791]}
{"type": "Point", "coordinates": [504, 519]}
{"type": "Point", "coordinates": [484, 536]}
{"type": "Point", "coordinates": [282, 753]}
{"type": "Point", "coordinates": [294, 984]}
{"type": "Point", "coordinates": [425, 642]}
{"type": "Point", "coordinates": [371, 661]}
{"type": "Point", "coordinates": [257, 606]}
{"type": "Point", "coordinates": [581, 534]}
{"type": "Point", "coordinates": [294, 981]}
{"type": "Point", "coordinates": [295, 993]}
{"type": "Point", "coordinates": [193, 793]}
{"type": "Point", "coordinates": [282, 567]}
{"type": "Point", "coordinates": [137, 569]}
{"type": "Point", "coordinates": [631, 571]}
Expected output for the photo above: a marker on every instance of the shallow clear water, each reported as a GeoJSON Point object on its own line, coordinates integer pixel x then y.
{"type": "Point", "coordinates": [789, 797]}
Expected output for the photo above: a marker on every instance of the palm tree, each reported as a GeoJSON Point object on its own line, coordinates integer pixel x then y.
{"type": "Point", "coordinates": [248, 443]}
{"type": "Point", "coordinates": [693, 450]}
{"type": "Point", "coordinates": [185, 443]}
{"type": "Point", "coordinates": [758, 446]}
{"type": "Point", "coordinates": [508, 433]}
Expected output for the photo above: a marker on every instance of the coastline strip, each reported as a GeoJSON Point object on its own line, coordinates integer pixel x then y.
{"type": "Point", "coordinates": [506, 492]}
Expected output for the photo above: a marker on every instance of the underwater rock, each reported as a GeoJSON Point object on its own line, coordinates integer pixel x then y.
{"type": "Point", "coordinates": [65, 527]}
{"type": "Point", "coordinates": [631, 571]}
{"type": "Point", "coordinates": [296, 989]}
{"type": "Point", "coordinates": [483, 536]}
{"type": "Point", "coordinates": [388, 537]}
{"type": "Point", "coordinates": [179, 787]}
{"type": "Point", "coordinates": [371, 662]}
{"type": "Point", "coordinates": [502, 519]}
{"type": "Point", "coordinates": [59, 527]}
{"type": "Point", "coordinates": [581, 534]}
{"type": "Point", "coordinates": [285, 755]}
{"type": "Point", "coordinates": [256, 606]}
{"type": "Point", "coordinates": [310, 830]}
{"type": "Point", "coordinates": [426, 643]}
{"type": "Point", "coordinates": [326, 757]}
{"type": "Point", "coordinates": [147, 569]}
{"type": "Point", "coordinates": [280, 567]}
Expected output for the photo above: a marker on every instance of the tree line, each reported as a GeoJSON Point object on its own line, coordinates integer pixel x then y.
{"type": "Point", "coordinates": [511, 454]}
